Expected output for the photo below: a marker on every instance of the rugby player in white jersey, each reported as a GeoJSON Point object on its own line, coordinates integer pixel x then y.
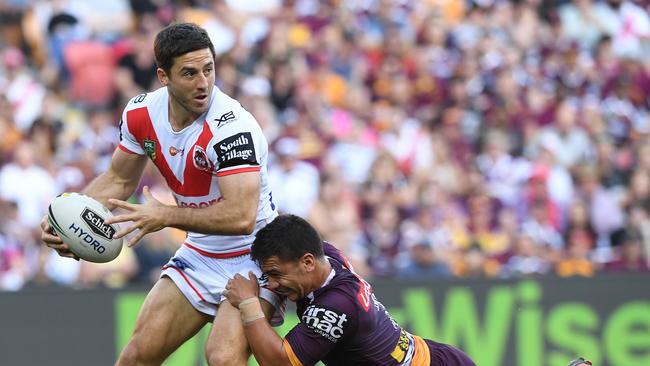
{"type": "Point", "coordinates": [212, 154]}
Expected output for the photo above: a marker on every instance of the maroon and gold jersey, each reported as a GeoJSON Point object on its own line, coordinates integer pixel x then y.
{"type": "Point", "coordinates": [342, 323]}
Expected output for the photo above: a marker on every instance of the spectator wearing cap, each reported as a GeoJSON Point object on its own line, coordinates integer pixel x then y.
{"type": "Point", "coordinates": [295, 183]}
{"type": "Point", "coordinates": [423, 263]}
{"type": "Point", "coordinates": [429, 246]}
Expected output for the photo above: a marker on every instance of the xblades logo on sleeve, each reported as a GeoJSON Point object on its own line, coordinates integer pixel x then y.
{"type": "Point", "coordinates": [96, 224]}
{"type": "Point", "coordinates": [327, 323]}
{"type": "Point", "coordinates": [225, 119]}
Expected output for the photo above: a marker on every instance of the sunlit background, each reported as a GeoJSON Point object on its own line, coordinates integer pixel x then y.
{"type": "Point", "coordinates": [434, 141]}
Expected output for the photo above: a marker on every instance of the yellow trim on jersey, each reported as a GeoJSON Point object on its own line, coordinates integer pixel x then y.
{"type": "Point", "coordinates": [422, 355]}
{"type": "Point", "coordinates": [399, 353]}
{"type": "Point", "coordinates": [292, 356]}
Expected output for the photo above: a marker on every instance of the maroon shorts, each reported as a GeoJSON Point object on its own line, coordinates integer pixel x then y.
{"type": "Point", "coordinates": [444, 354]}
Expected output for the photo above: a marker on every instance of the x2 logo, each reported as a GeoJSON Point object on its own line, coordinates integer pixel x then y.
{"type": "Point", "coordinates": [326, 322]}
{"type": "Point", "coordinates": [225, 119]}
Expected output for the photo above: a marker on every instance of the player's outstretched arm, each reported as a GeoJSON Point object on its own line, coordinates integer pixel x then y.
{"type": "Point", "coordinates": [233, 214]}
{"type": "Point", "coordinates": [266, 344]}
{"type": "Point", "coordinates": [148, 217]}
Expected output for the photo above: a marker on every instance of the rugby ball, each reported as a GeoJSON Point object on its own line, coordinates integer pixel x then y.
{"type": "Point", "coordinates": [79, 221]}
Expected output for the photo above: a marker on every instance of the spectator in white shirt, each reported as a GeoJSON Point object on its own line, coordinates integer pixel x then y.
{"type": "Point", "coordinates": [294, 183]}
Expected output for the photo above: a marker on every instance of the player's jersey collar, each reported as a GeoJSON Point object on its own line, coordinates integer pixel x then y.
{"type": "Point", "coordinates": [199, 120]}
{"type": "Point", "coordinates": [329, 278]}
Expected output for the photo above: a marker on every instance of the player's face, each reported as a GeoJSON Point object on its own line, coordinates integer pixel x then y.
{"type": "Point", "coordinates": [287, 278]}
{"type": "Point", "coordinates": [190, 81]}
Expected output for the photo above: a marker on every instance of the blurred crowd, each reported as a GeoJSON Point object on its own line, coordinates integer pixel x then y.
{"type": "Point", "coordinates": [425, 138]}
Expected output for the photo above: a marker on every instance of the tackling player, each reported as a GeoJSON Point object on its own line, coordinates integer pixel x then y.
{"type": "Point", "coordinates": [212, 154]}
{"type": "Point", "coordinates": [341, 321]}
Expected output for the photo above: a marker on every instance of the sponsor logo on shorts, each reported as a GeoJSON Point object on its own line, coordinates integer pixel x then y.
{"type": "Point", "coordinates": [326, 322]}
{"type": "Point", "coordinates": [179, 263]}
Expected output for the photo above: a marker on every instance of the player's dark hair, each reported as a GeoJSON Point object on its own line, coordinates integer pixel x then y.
{"type": "Point", "coordinates": [288, 237]}
{"type": "Point", "coordinates": [178, 39]}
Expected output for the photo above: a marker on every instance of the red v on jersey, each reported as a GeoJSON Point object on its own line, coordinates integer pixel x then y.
{"type": "Point", "coordinates": [196, 183]}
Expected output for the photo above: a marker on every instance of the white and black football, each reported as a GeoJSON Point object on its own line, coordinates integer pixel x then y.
{"type": "Point", "coordinates": [79, 221]}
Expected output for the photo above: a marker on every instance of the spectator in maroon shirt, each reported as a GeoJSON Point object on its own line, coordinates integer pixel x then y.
{"type": "Point", "coordinates": [630, 256]}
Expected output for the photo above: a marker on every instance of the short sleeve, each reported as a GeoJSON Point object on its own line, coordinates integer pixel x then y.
{"type": "Point", "coordinates": [128, 142]}
{"type": "Point", "coordinates": [238, 145]}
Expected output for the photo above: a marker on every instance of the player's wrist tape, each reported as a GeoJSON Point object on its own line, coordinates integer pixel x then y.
{"type": "Point", "coordinates": [251, 310]}
{"type": "Point", "coordinates": [250, 300]}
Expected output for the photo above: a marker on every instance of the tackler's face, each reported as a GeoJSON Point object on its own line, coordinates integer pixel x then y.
{"type": "Point", "coordinates": [191, 79]}
{"type": "Point", "coordinates": [288, 278]}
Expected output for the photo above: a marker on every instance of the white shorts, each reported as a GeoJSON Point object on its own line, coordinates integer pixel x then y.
{"type": "Point", "coordinates": [202, 279]}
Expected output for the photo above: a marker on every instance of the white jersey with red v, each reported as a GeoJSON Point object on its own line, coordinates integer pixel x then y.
{"type": "Point", "coordinates": [225, 140]}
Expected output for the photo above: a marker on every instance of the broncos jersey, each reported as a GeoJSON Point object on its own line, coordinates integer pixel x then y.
{"type": "Point", "coordinates": [342, 323]}
{"type": "Point", "coordinates": [223, 141]}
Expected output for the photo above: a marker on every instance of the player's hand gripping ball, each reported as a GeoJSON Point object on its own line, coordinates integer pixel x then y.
{"type": "Point", "coordinates": [79, 221]}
